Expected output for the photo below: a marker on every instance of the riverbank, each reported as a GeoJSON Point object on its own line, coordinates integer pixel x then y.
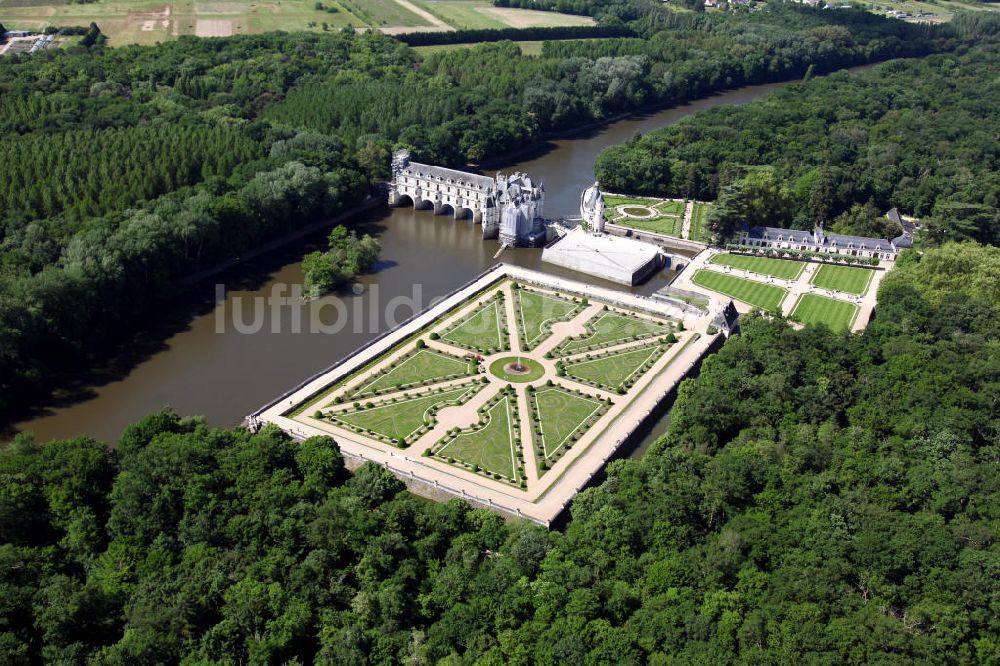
{"type": "Point", "coordinates": [373, 201]}
{"type": "Point", "coordinates": [538, 147]}
{"type": "Point", "coordinates": [197, 355]}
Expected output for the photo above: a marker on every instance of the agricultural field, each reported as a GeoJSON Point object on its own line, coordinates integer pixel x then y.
{"type": "Point", "coordinates": [814, 309]}
{"type": "Point", "coordinates": [388, 13]}
{"type": "Point", "coordinates": [611, 328]}
{"type": "Point", "coordinates": [150, 22]}
{"type": "Point", "coordinates": [533, 48]}
{"type": "Point", "coordinates": [784, 269]}
{"type": "Point", "coordinates": [536, 312]}
{"type": "Point", "coordinates": [477, 14]}
{"type": "Point", "coordinates": [846, 279]}
{"type": "Point", "coordinates": [142, 22]}
{"type": "Point", "coordinates": [757, 294]}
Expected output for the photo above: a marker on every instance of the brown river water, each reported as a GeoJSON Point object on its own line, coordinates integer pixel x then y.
{"type": "Point", "coordinates": [202, 359]}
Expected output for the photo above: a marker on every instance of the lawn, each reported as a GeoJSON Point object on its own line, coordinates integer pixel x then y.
{"type": "Point", "coordinates": [611, 327]}
{"type": "Point", "coordinates": [847, 279]}
{"type": "Point", "coordinates": [423, 365]}
{"type": "Point", "coordinates": [481, 331]}
{"type": "Point", "coordinates": [815, 309]}
{"type": "Point", "coordinates": [536, 312]}
{"type": "Point", "coordinates": [669, 223]}
{"type": "Point", "coordinates": [757, 294]}
{"type": "Point", "coordinates": [560, 414]}
{"type": "Point", "coordinates": [699, 223]}
{"type": "Point", "coordinates": [612, 201]}
{"type": "Point", "coordinates": [786, 269]}
{"type": "Point", "coordinates": [668, 226]}
{"type": "Point", "coordinates": [402, 419]}
{"type": "Point", "coordinates": [490, 445]}
{"type": "Point", "coordinates": [613, 371]}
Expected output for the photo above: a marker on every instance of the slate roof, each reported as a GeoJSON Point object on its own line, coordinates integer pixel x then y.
{"type": "Point", "coordinates": [774, 233]}
{"type": "Point", "coordinates": [801, 237]}
{"type": "Point", "coordinates": [430, 171]}
{"type": "Point", "coordinates": [859, 242]}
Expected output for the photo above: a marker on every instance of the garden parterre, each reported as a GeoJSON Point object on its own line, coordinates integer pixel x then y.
{"type": "Point", "coordinates": [507, 387]}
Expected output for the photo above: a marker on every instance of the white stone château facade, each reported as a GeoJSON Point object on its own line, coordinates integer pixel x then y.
{"type": "Point", "coordinates": [508, 207]}
{"type": "Point", "coordinates": [818, 241]}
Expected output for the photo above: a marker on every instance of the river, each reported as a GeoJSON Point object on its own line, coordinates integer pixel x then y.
{"type": "Point", "coordinates": [199, 360]}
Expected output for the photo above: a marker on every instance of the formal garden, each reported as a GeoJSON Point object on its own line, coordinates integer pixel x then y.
{"type": "Point", "coordinates": [846, 279]}
{"type": "Point", "coordinates": [559, 417]}
{"type": "Point", "coordinates": [758, 294]}
{"type": "Point", "coordinates": [454, 391]}
{"type": "Point", "coordinates": [401, 419]}
{"type": "Point", "coordinates": [537, 311]}
{"type": "Point", "coordinates": [491, 447]}
{"type": "Point", "coordinates": [661, 216]}
{"type": "Point", "coordinates": [611, 328]}
{"type": "Point", "coordinates": [815, 309]}
{"type": "Point", "coordinates": [484, 330]}
{"type": "Point", "coordinates": [784, 269]}
{"type": "Point", "coordinates": [615, 370]}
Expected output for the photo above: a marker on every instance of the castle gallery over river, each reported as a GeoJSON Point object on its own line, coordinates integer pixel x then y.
{"type": "Point", "coordinates": [510, 210]}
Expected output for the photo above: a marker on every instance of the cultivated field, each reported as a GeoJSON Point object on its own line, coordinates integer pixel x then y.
{"type": "Point", "coordinates": [847, 279]}
{"type": "Point", "coordinates": [757, 294]}
{"type": "Point", "coordinates": [529, 47]}
{"type": "Point", "coordinates": [143, 22]}
{"type": "Point", "coordinates": [785, 269]}
{"type": "Point", "coordinates": [814, 309]}
{"type": "Point", "coordinates": [135, 22]}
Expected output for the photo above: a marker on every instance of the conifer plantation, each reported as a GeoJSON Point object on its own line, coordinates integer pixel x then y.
{"type": "Point", "coordinates": [819, 497]}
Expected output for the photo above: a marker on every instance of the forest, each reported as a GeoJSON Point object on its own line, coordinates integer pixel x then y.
{"type": "Point", "coordinates": [917, 134]}
{"type": "Point", "coordinates": [126, 170]}
{"type": "Point", "coordinates": [818, 498]}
